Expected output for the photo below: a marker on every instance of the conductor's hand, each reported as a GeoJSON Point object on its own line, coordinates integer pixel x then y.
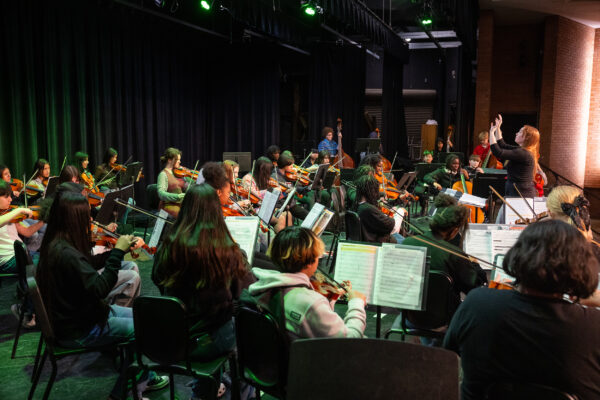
{"type": "Point", "coordinates": [125, 242]}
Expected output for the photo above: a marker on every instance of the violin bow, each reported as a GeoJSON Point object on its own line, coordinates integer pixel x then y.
{"type": "Point", "coordinates": [27, 183]}
{"type": "Point", "coordinates": [505, 202]}
{"type": "Point", "coordinates": [63, 165]}
{"type": "Point", "coordinates": [393, 160]}
{"type": "Point", "coordinates": [141, 210]}
{"type": "Point", "coordinates": [104, 180]}
{"type": "Point", "coordinates": [526, 202]}
{"type": "Point", "coordinates": [192, 173]}
{"type": "Point", "coordinates": [331, 280]}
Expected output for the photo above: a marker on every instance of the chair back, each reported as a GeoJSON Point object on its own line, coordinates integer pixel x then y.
{"type": "Point", "coordinates": [263, 351]}
{"type": "Point", "coordinates": [41, 315]}
{"type": "Point", "coordinates": [161, 329]}
{"type": "Point", "coordinates": [152, 196]}
{"type": "Point", "coordinates": [437, 303]}
{"type": "Point", "coordinates": [353, 229]}
{"type": "Point", "coordinates": [525, 391]}
{"type": "Point", "coordinates": [23, 259]}
{"type": "Point", "coordinates": [370, 369]}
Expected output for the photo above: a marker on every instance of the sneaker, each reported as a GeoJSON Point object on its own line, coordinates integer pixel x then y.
{"type": "Point", "coordinates": [159, 382]}
{"type": "Point", "coordinates": [28, 322]}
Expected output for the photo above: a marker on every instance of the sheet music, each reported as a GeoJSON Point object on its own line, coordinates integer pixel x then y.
{"type": "Point", "coordinates": [322, 222]}
{"type": "Point", "coordinates": [478, 243]}
{"type": "Point", "coordinates": [400, 277]}
{"type": "Point", "coordinates": [537, 203]}
{"type": "Point", "coordinates": [268, 205]}
{"type": "Point", "coordinates": [471, 200]}
{"type": "Point", "coordinates": [503, 240]}
{"type": "Point", "coordinates": [159, 225]}
{"type": "Point", "coordinates": [356, 263]}
{"type": "Point", "coordinates": [244, 231]}
{"type": "Point", "coordinates": [312, 216]}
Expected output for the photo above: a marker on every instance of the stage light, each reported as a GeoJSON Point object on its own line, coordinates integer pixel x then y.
{"type": "Point", "coordinates": [426, 21]}
{"type": "Point", "coordinates": [206, 4]}
{"type": "Point", "coordinates": [310, 7]}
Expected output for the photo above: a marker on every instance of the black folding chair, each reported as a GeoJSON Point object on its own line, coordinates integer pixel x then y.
{"type": "Point", "coordinates": [371, 369]}
{"type": "Point", "coordinates": [436, 313]}
{"type": "Point", "coordinates": [262, 352]}
{"type": "Point", "coordinates": [525, 391]}
{"type": "Point", "coordinates": [23, 259]}
{"type": "Point", "coordinates": [162, 335]}
{"type": "Point", "coordinates": [52, 350]}
{"type": "Point", "coordinates": [353, 229]}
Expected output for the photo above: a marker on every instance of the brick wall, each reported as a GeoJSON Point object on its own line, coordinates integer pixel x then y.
{"type": "Point", "coordinates": [565, 96]}
{"type": "Point", "coordinates": [592, 166]}
{"type": "Point", "coordinates": [483, 91]}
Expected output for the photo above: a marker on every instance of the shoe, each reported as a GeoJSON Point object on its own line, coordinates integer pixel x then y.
{"type": "Point", "coordinates": [27, 322]}
{"type": "Point", "coordinates": [157, 383]}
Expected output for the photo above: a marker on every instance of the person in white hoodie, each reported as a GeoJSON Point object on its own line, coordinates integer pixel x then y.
{"type": "Point", "coordinates": [308, 314]}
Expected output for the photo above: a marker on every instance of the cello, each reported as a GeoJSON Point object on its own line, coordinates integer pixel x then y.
{"type": "Point", "coordinates": [464, 186]}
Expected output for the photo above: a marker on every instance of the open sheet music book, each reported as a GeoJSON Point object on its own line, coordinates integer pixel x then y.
{"type": "Point", "coordinates": [267, 207]}
{"type": "Point", "coordinates": [392, 275]}
{"type": "Point", "coordinates": [317, 219]}
{"type": "Point", "coordinates": [487, 241]}
{"type": "Point", "coordinates": [537, 203]}
{"type": "Point", "coordinates": [159, 225]}
{"type": "Point", "coordinates": [466, 198]}
{"type": "Point", "coordinates": [244, 231]}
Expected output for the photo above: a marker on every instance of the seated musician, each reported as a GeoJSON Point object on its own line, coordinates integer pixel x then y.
{"type": "Point", "coordinates": [69, 173]}
{"type": "Point", "coordinates": [74, 292]}
{"type": "Point", "coordinates": [439, 152]}
{"type": "Point", "coordinates": [328, 143]}
{"type": "Point", "coordinates": [82, 162]}
{"type": "Point", "coordinates": [351, 187]}
{"type": "Point", "coordinates": [200, 263]}
{"type": "Point", "coordinates": [284, 164]}
{"type": "Point", "coordinates": [473, 168]}
{"type": "Point", "coordinates": [7, 177]}
{"type": "Point", "coordinates": [105, 175]}
{"type": "Point", "coordinates": [296, 251]}
{"type": "Point", "coordinates": [170, 188]}
{"type": "Point", "coordinates": [37, 186]}
{"type": "Point", "coordinates": [375, 225]}
{"type": "Point", "coordinates": [232, 170]}
{"type": "Point", "coordinates": [427, 156]}
{"type": "Point", "coordinates": [272, 153]}
{"type": "Point", "coordinates": [483, 148]}
{"type": "Point", "coordinates": [312, 160]}
{"type": "Point", "coordinates": [538, 333]}
{"type": "Point", "coordinates": [446, 176]}
{"type": "Point", "coordinates": [449, 221]}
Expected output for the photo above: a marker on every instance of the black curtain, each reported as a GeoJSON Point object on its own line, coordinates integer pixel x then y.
{"type": "Point", "coordinates": [337, 89]}
{"type": "Point", "coordinates": [394, 122]}
{"type": "Point", "coordinates": [81, 75]}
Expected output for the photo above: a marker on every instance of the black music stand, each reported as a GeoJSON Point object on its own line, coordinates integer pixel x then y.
{"type": "Point", "coordinates": [423, 169]}
{"type": "Point", "coordinates": [51, 186]}
{"type": "Point", "coordinates": [367, 145]}
{"type": "Point", "coordinates": [481, 188]}
{"type": "Point", "coordinates": [303, 147]}
{"type": "Point", "coordinates": [347, 174]}
{"type": "Point", "coordinates": [243, 158]}
{"type": "Point", "coordinates": [319, 176]}
{"type": "Point", "coordinates": [406, 180]}
{"type": "Point", "coordinates": [131, 173]}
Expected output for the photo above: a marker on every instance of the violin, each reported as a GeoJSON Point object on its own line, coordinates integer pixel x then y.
{"type": "Point", "coordinates": [21, 217]}
{"type": "Point", "coordinates": [183, 172]}
{"type": "Point", "coordinates": [527, 221]}
{"type": "Point", "coordinates": [117, 167]}
{"type": "Point", "coordinates": [90, 183]}
{"type": "Point", "coordinates": [239, 189]}
{"type": "Point", "coordinates": [296, 176]}
{"type": "Point", "coordinates": [278, 185]}
{"type": "Point", "coordinates": [500, 285]}
{"type": "Point", "coordinates": [95, 199]}
{"type": "Point", "coordinates": [31, 190]}
{"type": "Point", "coordinates": [16, 185]}
{"type": "Point", "coordinates": [326, 286]}
{"type": "Point", "coordinates": [230, 211]}
{"type": "Point", "coordinates": [106, 238]}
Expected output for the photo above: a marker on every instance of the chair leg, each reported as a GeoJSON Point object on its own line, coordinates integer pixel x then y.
{"type": "Point", "coordinates": [52, 378]}
{"type": "Point", "coordinates": [37, 374]}
{"type": "Point", "coordinates": [18, 333]}
{"type": "Point", "coordinates": [172, 386]}
{"type": "Point", "coordinates": [36, 363]}
{"type": "Point", "coordinates": [235, 380]}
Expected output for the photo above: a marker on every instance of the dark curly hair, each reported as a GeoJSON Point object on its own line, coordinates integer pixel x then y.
{"type": "Point", "coordinates": [215, 175]}
{"type": "Point", "coordinates": [553, 257]}
{"type": "Point", "coordinates": [367, 187]}
{"type": "Point", "coordinates": [372, 159]}
{"type": "Point", "coordinates": [449, 215]}
{"type": "Point", "coordinates": [362, 170]}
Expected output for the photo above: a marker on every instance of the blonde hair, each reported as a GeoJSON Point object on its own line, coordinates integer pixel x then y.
{"type": "Point", "coordinates": [531, 143]}
{"type": "Point", "coordinates": [558, 196]}
{"type": "Point", "coordinates": [294, 248]}
{"type": "Point", "coordinates": [483, 135]}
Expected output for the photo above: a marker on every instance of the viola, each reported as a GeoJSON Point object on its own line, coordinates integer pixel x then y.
{"type": "Point", "coordinates": [527, 221]}
{"type": "Point", "coordinates": [16, 185]}
{"type": "Point", "coordinates": [500, 285]}
{"type": "Point", "coordinates": [183, 172]}
{"type": "Point", "coordinates": [230, 211]}
{"type": "Point", "coordinates": [21, 217]}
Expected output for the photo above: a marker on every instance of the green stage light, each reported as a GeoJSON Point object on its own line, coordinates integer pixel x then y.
{"type": "Point", "coordinates": [309, 10]}
{"type": "Point", "coordinates": [310, 7]}
{"type": "Point", "coordinates": [426, 21]}
{"type": "Point", "coordinates": [205, 5]}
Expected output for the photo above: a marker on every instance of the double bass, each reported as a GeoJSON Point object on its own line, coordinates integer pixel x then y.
{"type": "Point", "coordinates": [347, 161]}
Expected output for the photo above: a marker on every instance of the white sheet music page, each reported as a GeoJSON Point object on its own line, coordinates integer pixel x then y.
{"type": "Point", "coordinates": [244, 231]}
{"type": "Point", "coordinates": [356, 263]}
{"type": "Point", "coordinates": [268, 205]}
{"type": "Point", "coordinates": [158, 228]}
{"type": "Point", "coordinates": [312, 216]}
{"type": "Point", "coordinates": [400, 277]}
{"type": "Point", "coordinates": [478, 243]}
{"type": "Point", "coordinates": [520, 205]}
{"type": "Point", "coordinates": [503, 240]}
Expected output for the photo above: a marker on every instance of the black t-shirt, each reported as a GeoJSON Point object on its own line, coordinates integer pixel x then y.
{"type": "Point", "coordinates": [519, 168]}
{"type": "Point", "coordinates": [376, 227]}
{"type": "Point", "coordinates": [506, 336]}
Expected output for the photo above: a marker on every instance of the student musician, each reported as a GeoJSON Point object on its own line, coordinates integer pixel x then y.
{"type": "Point", "coordinates": [538, 333]}
{"type": "Point", "coordinates": [441, 149]}
{"type": "Point", "coordinates": [105, 174]}
{"type": "Point", "coordinates": [69, 173]}
{"type": "Point", "coordinates": [200, 263]}
{"type": "Point", "coordinates": [7, 177]}
{"type": "Point", "coordinates": [308, 314]}
{"type": "Point", "coordinates": [522, 163]}
{"type": "Point", "coordinates": [73, 291]}
{"type": "Point", "coordinates": [473, 168]}
{"type": "Point", "coordinates": [37, 186]}
{"type": "Point", "coordinates": [312, 160]}
{"type": "Point", "coordinates": [449, 221]}
{"type": "Point", "coordinates": [170, 188]}
{"type": "Point", "coordinates": [427, 156]}
{"type": "Point", "coordinates": [483, 148]}
{"type": "Point", "coordinates": [272, 153]}
{"type": "Point", "coordinates": [328, 143]}
{"type": "Point", "coordinates": [363, 169]}
{"type": "Point", "coordinates": [284, 164]}
{"type": "Point", "coordinates": [568, 204]}
{"type": "Point", "coordinates": [375, 225]}
{"type": "Point", "coordinates": [444, 177]}
{"type": "Point", "coordinates": [82, 162]}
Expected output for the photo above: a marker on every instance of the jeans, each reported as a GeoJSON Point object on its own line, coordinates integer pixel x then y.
{"type": "Point", "coordinates": [127, 287]}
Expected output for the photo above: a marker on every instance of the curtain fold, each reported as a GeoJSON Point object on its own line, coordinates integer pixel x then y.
{"type": "Point", "coordinates": [394, 121]}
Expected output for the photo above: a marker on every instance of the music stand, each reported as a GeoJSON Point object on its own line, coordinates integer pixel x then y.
{"type": "Point", "coordinates": [442, 156]}
{"type": "Point", "coordinates": [329, 179]}
{"type": "Point", "coordinates": [406, 180]}
{"type": "Point", "coordinates": [347, 174]}
{"type": "Point", "coordinates": [243, 158]}
{"type": "Point", "coordinates": [51, 186]}
{"type": "Point", "coordinates": [303, 147]}
{"type": "Point", "coordinates": [367, 145]}
{"type": "Point", "coordinates": [106, 213]}
{"type": "Point", "coordinates": [131, 173]}
{"type": "Point", "coordinates": [319, 176]}
{"type": "Point", "coordinates": [423, 169]}
{"type": "Point", "coordinates": [481, 188]}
